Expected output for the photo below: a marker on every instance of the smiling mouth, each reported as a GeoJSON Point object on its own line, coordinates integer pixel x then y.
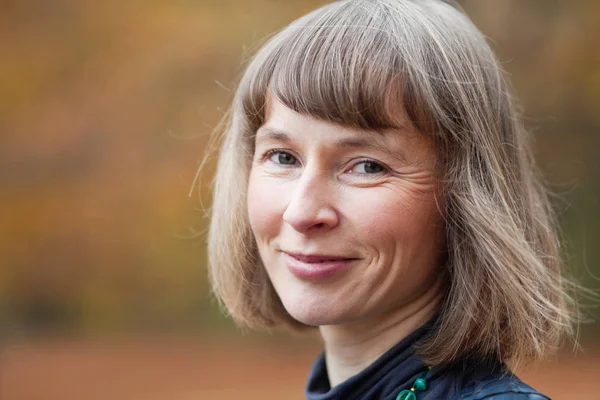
{"type": "Point", "coordinates": [318, 258]}
{"type": "Point", "coordinates": [316, 266]}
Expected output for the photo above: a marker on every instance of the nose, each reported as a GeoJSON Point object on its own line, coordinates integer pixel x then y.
{"type": "Point", "coordinates": [311, 205]}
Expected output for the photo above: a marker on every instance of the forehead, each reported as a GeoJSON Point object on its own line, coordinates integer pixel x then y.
{"type": "Point", "coordinates": [283, 124]}
{"type": "Point", "coordinates": [278, 114]}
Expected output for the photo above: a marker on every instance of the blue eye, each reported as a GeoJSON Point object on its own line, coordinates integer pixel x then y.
{"type": "Point", "coordinates": [281, 157]}
{"type": "Point", "coordinates": [368, 167]}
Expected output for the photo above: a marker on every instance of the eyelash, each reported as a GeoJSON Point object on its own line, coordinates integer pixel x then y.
{"type": "Point", "coordinates": [384, 170]}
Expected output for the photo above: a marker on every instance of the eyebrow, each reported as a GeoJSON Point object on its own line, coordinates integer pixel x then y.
{"type": "Point", "coordinates": [374, 142]}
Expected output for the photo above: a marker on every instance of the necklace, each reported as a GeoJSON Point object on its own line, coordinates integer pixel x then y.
{"type": "Point", "coordinates": [420, 385]}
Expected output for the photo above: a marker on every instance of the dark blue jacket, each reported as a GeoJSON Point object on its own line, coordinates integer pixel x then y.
{"type": "Point", "coordinates": [505, 388]}
{"type": "Point", "coordinates": [399, 367]}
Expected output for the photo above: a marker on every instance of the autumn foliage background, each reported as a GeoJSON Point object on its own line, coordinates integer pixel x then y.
{"type": "Point", "coordinates": [106, 108]}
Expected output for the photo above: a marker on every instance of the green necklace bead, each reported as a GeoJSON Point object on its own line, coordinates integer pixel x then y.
{"type": "Point", "coordinates": [406, 395]}
{"type": "Point", "coordinates": [420, 384]}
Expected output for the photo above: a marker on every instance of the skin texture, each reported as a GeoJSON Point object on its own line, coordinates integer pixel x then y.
{"type": "Point", "coordinates": [321, 188]}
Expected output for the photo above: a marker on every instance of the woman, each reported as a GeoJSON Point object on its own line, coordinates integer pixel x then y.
{"type": "Point", "coordinates": [374, 182]}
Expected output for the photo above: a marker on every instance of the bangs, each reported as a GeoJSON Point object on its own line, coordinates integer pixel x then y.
{"type": "Point", "coordinates": [341, 65]}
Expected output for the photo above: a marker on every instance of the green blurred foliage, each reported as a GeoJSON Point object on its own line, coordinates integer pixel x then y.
{"type": "Point", "coordinates": [105, 112]}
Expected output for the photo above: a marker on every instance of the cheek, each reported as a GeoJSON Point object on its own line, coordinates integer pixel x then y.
{"type": "Point", "coordinates": [394, 216]}
{"type": "Point", "coordinates": [265, 207]}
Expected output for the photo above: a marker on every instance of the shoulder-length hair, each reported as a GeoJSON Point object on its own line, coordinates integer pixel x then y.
{"type": "Point", "coordinates": [356, 63]}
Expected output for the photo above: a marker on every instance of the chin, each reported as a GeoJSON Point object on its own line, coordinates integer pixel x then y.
{"type": "Point", "coordinates": [311, 320]}
{"type": "Point", "coordinates": [313, 312]}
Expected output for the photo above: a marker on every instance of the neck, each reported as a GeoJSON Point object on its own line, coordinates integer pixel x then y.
{"type": "Point", "coordinates": [352, 347]}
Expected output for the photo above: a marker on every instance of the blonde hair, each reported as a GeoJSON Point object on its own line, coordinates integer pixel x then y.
{"type": "Point", "coordinates": [356, 63]}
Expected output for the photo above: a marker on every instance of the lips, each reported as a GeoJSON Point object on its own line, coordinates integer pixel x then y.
{"type": "Point", "coordinates": [317, 258]}
{"type": "Point", "coordinates": [316, 266]}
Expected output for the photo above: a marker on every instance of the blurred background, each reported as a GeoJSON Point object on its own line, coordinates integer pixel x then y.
{"type": "Point", "coordinates": [106, 108]}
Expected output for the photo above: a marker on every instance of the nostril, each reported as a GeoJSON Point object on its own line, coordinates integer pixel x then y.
{"type": "Point", "coordinates": [305, 213]}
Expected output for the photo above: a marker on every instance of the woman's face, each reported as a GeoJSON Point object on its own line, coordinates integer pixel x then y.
{"type": "Point", "coordinates": [345, 220]}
